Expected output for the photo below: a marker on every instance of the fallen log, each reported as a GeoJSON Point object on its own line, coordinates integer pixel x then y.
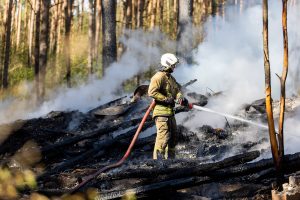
{"type": "Point", "coordinates": [98, 149]}
{"type": "Point", "coordinates": [176, 168]}
{"type": "Point", "coordinates": [221, 175]}
{"type": "Point", "coordinates": [151, 188]}
{"type": "Point", "coordinates": [291, 164]}
{"type": "Point", "coordinates": [88, 135]}
{"type": "Point", "coordinates": [108, 104]}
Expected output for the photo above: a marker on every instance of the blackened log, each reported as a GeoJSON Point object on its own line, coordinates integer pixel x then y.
{"type": "Point", "coordinates": [99, 149]}
{"type": "Point", "coordinates": [108, 104]}
{"type": "Point", "coordinates": [291, 164]}
{"type": "Point", "coordinates": [183, 87]}
{"type": "Point", "coordinates": [173, 169]}
{"type": "Point", "coordinates": [265, 169]}
{"type": "Point", "coordinates": [151, 188]}
{"type": "Point", "coordinates": [92, 134]}
{"type": "Point", "coordinates": [211, 167]}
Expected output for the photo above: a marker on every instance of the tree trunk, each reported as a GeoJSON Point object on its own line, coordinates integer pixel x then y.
{"type": "Point", "coordinates": [30, 32]}
{"type": "Point", "coordinates": [109, 33]}
{"type": "Point", "coordinates": [68, 4]}
{"type": "Point", "coordinates": [37, 50]}
{"type": "Point", "coordinates": [140, 11]}
{"type": "Point", "coordinates": [9, 7]}
{"type": "Point", "coordinates": [128, 14]}
{"type": "Point", "coordinates": [54, 28]}
{"type": "Point", "coordinates": [92, 27]}
{"type": "Point", "coordinates": [153, 14]}
{"type": "Point", "coordinates": [44, 44]}
{"type": "Point", "coordinates": [19, 23]}
{"type": "Point", "coordinates": [59, 26]}
{"type": "Point", "coordinates": [98, 30]}
{"type": "Point", "coordinates": [81, 15]}
{"type": "Point", "coordinates": [134, 14]}
{"type": "Point", "coordinates": [184, 38]}
{"type": "Point", "coordinates": [269, 109]}
{"type": "Point", "coordinates": [168, 16]}
{"type": "Point", "coordinates": [159, 7]}
{"type": "Point", "coordinates": [283, 79]}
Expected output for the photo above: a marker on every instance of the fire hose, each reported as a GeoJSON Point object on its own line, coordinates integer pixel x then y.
{"type": "Point", "coordinates": [120, 162]}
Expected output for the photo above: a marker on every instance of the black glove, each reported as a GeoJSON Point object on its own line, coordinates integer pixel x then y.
{"type": "Point", "coordinates": [183, 101]}
{"type": "Point", "coordinates": [169, 101]}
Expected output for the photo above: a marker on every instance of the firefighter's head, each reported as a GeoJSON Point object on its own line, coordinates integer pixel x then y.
{"type": "Point", "coordinates": [168, 62]}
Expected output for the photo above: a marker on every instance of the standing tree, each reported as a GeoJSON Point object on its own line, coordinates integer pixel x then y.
{"type": "Point", "coordinates": [37, 49]}
{"type": "Point", "coordinates": [98, 30]}
{"type": "Point", "coordinates": [92, 30]}
{"type": "Point", "coordinates": [140, 11]}
{"type": "Point", "coordinates": [8, 19]}
{"type": "Point", "coordinates": [283, 79]}
{"type": "Point", "coordinates": [44, 44]}
{"type": "Point", "coordinates": [30, 31]}
{"type": "Point", "coordinates": [68, 6]}
{"type": "Point", "coordinates": [109, 51]}
{"type": "Point", "coordinates": [153, 13]}
{"type": "Point", "coordinates": [19, 24]}
{"type": "Point", "coordinates": [269, 108]}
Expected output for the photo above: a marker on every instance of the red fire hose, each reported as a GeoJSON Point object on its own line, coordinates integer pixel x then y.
{"type": "Point", "coordinates": [92, 176]}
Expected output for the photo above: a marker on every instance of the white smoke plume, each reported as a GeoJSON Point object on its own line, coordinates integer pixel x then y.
{"type": "Point", "coordinates": [231, 60]}
{"type": "Point", "coordinates": [143, 50]}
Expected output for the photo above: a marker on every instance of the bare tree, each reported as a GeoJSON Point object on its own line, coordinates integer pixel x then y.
{"type": "Point", "coordinates": [269, 107]}
{"type": "Point", "coordinates": [109, 51]}
{"type": "Point", "coordinates": [283, 79]}
{"type": "Point", "coordinates": [9, 6]}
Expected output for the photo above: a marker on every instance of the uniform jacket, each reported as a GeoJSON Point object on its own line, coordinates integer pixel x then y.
{"type": "Point", "coordinates": [163, 85]}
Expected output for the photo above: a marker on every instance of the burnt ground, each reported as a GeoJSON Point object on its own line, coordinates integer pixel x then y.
{"type": "Point", "coordinates": [62, 148]}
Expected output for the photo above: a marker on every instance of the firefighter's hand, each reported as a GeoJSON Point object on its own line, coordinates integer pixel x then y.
{"type": "Point", "coordinates": [183, 101]}
{"type": "Point", "coordinates": [169, 101]}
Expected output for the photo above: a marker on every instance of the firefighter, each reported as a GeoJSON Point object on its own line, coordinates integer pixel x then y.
{"type": "Point", "coordinates": [165, 91]}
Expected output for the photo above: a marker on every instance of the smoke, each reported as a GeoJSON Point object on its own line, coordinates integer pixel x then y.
{"type": "Point", "coordinates": [231, 60]}
{"type": "Point", "coordinates": [143, 50]}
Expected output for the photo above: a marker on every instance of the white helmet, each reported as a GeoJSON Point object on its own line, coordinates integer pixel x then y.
{"type": "Point", "coordinates": [168, 59]}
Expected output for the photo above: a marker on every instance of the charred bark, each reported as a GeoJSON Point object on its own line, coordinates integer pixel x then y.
{"type": "Point", "coordinates": [109, 50]}
{"type": "Point", "coordinates": [269, 109]}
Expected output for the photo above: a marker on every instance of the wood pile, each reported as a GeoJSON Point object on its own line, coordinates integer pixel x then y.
{"type": "Point", "coordinates": [72, 145]}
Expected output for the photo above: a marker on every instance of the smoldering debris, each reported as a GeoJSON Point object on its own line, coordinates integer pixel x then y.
{"type": "Point", "coordinates": [72, 145]}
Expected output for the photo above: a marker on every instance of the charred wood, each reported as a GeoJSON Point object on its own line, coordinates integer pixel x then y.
{"type": "Point", "coordinates": [222, 176]}
{"type": "Point", "coordinates": [98, 150]}
{"type": "Point", "coordinates": [91, 134]}
{"type": "Point", "coordinates": [172, 169]}
{"type": "Point", "coordinates": [108, 104]}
